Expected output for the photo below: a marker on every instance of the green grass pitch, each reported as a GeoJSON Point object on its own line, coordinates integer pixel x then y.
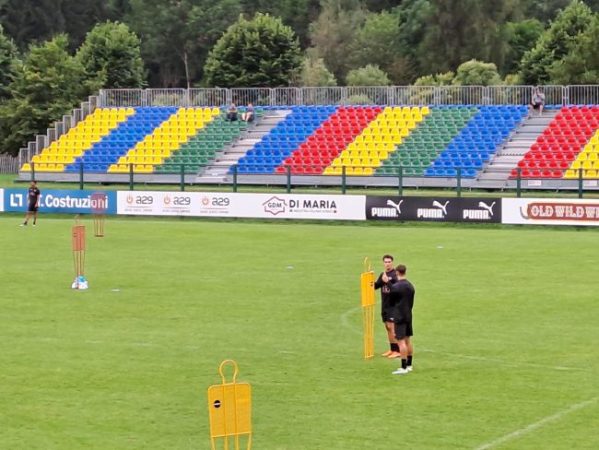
{"type": "Point", "coordinates": [506, 335]}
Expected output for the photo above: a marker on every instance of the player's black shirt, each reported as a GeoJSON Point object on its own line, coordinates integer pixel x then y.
{"type": "Point", "coordinates": [32, 195]}
{"type": "Point", "coordinates": [385, 288]}
{"type": "Point", "coordinates": [402, 298]}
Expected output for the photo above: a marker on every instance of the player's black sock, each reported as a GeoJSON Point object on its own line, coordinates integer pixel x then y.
{"type": "Point", "coordinates": [404, 363]}
{"type": "Point", "coordinates": [394, 347]}
{"type": "Point", "coordinates": [409, 360]}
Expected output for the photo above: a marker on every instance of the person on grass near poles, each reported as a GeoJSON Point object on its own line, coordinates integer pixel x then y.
{"type": "Point", "coordinates": [384, 282]}
{"type": "Point", "coordinates": [33, 203]}
{"type": "Point", "coordinates": [402, 297]}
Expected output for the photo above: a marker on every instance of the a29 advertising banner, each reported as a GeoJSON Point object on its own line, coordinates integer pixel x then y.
{"type": "Point", "coordinates": [221, 204]}
{"type": "Point", "coordinates": [542, 211]}
{"type": "Point", "coordinates": [434, 209]}
{"type": "Point", "coordinates": [62, 201]}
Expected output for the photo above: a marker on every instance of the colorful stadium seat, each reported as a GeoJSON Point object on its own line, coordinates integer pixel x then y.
{"type": "Point", "coordinates": [425, 141]}
{"type": "Point", "coordinates": [564, 147]}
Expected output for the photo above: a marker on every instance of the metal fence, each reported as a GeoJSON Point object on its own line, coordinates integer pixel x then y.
{"type": "Point", "coordinates": [353, 95]}
{"type": "Point", "coordinates": [9, 164]}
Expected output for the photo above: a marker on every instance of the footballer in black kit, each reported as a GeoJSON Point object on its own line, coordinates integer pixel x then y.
{"type": "Point", "coordinates": [402, 297]}
{"type": "Point", "coordinates": [33, 203]}
{"type": "Point", "coordinates": [384, 282]}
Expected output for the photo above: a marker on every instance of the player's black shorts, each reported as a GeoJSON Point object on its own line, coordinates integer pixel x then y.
{"type": "Point", "coordinates": [387, 315]}
{"type": "Point", "coordinates": [403, 330]}
{"type": "Point", "coordinates": [32, 207]}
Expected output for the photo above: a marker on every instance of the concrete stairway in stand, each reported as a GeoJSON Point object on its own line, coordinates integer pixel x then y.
{"type": "Point", "coordinates": [498, 171]}
{"type": "Point", "coordinates": [229, 156]}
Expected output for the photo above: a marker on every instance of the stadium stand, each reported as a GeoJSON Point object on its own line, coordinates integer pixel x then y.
{"type": "Point", "coordinates": [566, 145]}
{"type": "Point", "coordinates": [203, 147]}
{"type": "Point", "coordinates": [165, 139]}
{"type": "Point", "coordinates": [107, 151]}
{"type": "Point", "coordinates": [476, 143]}
{"type": "Point", "coordinates": [329, 140]}
{"type": "Point", "coordinates": [284, 139]}
{"type": "Point", "coordinates": [377, 141]}
{"type": "Point", "coordinates": [426, 141]}
{"type": "Point", "coordinates": [62, 153]}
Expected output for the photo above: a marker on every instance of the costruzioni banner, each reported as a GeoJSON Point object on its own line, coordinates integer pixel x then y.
{"type": "Point", "coordinates": [543, 211]}
{"type": "Point", "coordinates": [434, 209]}
{"type": "Point", "coordinates": [220, 204]}
{"type": "Point", "coordinates": [62, 201]}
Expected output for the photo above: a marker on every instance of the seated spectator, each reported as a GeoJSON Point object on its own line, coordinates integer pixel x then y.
{"type": "Point", "coordinates": [538, 100]}
{"type": "Point", "coordinates": [232, 113]}
{"type": "Point", "coordinates": [248, 115]}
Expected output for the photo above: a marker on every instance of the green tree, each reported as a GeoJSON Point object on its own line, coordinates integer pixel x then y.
{"type": "Point", "coordinates": [581, 64]}
{"type": "Point", "coordinates": [477, 73]}
{"type": "Point", "coordinates": [261, 52]}
{"type": "Point", "coordinates": [439, 79]}
{"type": "Point", "coordinates": [177, 36]}
{"type": "Point", "coordinates": [459, 30]}
{"type": "Point", "coordinates": [28, 21]}
{"type": "Point", "coordinates": [80, 16]}
{"type": "Point", "coordinates": [31, 20]}
{"type": "Point", "coordinates": [521, 37]}
{"type": "Point", "coordinates": [543, 10]}
{"type": "Point", "coordinates": [412, 16]}
{"type": "Point", "coordinates": [555, 43]}
{"type": "Point", "coordinates": [47, 85]}
{"type": "Point", "coordinates": [378, 42]}
{"type": "Point", "coordinates": [368, 75]}
{"type": "Point", "coordinates": [314, 72]}
{"type": "Point", "coordinates": [298, 14]}
{"type": "Point", "coordinates": [111, 57]}
{"type": "Point", "coordinates": [8, 58]}
{"type": "Point", "coordinates": [333, 33]}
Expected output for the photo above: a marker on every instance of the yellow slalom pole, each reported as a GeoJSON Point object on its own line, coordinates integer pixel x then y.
{"type": "Point", "coordinates": [367, 300]}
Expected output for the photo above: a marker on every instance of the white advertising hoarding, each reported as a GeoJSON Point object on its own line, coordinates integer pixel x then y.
{"type": "Point", "coordinates": [223, 204]}
{"type": "Point", "coordinates": [152, 203]}
{"type": "Point", "coordinates": [543, 211]}
{"type": "Point", "coordinates": [1, 200]}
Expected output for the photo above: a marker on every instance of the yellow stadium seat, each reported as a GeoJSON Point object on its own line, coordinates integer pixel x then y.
{"type": "Point", "coordinates": [590, 173]}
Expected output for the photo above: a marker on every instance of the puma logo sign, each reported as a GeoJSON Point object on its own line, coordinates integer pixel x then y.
{"type": "Point", "coordinates": [431, 213]}
{"type": "Point", "coordinates": [389, 213]}
{"type": "Point", "coordinates": [443, 208]}
{"type": "Point", "coordinates": [483, 213]}
{"type": "Point", "coordinates": [397, 206]}
{"type": "Point", "coordinates": [487, 207]}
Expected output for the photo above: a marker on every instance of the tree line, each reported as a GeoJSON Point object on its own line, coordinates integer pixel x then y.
{"type": "Point", "coordinates": [54, 53]}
